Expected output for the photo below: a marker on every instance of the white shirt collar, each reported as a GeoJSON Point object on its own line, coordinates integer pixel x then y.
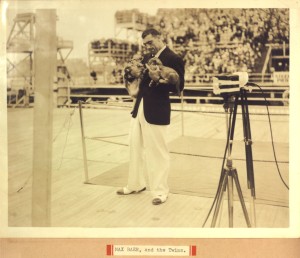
{"type": "Point", "coordinates": [159, 52]}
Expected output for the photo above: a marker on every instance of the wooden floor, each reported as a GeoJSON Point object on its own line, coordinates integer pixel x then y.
{"type": "Point", "coordinates": [76, 204]}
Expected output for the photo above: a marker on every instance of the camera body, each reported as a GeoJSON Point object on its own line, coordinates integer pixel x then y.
{"type": "Point", "coordinates": [229, 84]}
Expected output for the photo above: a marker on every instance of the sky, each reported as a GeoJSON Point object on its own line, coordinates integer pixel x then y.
{"type": "Point", "coordinates": [89, 25]}
{"type": "Point", "coordinates": [81, 24]}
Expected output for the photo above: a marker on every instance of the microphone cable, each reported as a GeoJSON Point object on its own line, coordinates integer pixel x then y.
{"type": "Point", "coordinates": [271, 131]}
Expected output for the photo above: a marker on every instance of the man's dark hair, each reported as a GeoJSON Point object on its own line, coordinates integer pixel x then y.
{"type": "Point", "coordinates": [151, 31]}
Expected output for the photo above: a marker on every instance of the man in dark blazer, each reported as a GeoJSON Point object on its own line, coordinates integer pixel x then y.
{"type": "Point", "coordinates": [149, 124]}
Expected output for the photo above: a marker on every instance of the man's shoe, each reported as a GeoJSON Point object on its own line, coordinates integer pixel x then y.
{"type": "Point", "coordinates": [157, 201]}
{"type": "Point", "coordinates": [126, 191]}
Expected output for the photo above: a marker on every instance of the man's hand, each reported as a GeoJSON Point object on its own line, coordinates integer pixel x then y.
{"type": "Point", "coordinates": [160, 73]}
{"type": "Point", "coordinates": [154, 72]}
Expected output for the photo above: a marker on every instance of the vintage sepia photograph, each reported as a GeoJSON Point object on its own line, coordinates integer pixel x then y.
{"type": "Point", "coordinates": [149, 119]}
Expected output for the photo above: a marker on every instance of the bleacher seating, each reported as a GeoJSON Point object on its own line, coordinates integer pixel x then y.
{"type": "Point", "coordinates": [227, 37]}
{"type": "Point", "coordinates": [215, 40]}
{"type": "Point", "coordinates": [110, 51]}
{"type": "Point", "coordinates": [113, 48]}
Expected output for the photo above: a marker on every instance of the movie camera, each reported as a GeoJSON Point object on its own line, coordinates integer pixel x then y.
{"type": "Point", "coordinates": [230, 84]}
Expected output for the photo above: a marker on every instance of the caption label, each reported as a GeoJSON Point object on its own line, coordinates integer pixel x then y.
{"type": "Point", "coordinates": [141, 250]}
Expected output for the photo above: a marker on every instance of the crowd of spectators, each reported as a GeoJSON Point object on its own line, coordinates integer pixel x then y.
{"type": "Point", "coordinates": [220, 40]}
{"type": "Point", "coordinates": [223, 40]}
{"type": "Point", "coordinates": [115, 47]}
{"type": "Point", "coordinates": [224, 25]}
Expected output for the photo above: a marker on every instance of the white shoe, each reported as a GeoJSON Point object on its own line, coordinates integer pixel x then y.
{"type": "Point", "coordinates": [126, 191]}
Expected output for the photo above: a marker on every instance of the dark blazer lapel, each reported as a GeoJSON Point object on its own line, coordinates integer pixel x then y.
{"type": "Point", "coordinates": [164, 54]}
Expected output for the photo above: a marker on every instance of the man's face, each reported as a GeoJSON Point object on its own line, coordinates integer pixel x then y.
{"type": "Point", "coordinates": [152, 43]}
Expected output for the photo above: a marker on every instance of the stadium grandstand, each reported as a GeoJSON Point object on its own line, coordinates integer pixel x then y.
{"type": "Point", "coordinates": [210, 41]}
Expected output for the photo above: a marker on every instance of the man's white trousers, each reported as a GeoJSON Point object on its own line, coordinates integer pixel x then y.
{"type": "Point", "coordinates": [149, 156]}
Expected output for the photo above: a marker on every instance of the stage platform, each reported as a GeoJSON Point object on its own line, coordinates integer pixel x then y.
{"type": "Point", "coordinates": [197, 140]}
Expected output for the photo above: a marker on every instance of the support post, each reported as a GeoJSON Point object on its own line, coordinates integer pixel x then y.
{"type": "Point", "coordinates": [45, 57]}
{"type": "Point", "coordinates": [182, 113]}
{"type": "Point", "coordinates": [86, 171]}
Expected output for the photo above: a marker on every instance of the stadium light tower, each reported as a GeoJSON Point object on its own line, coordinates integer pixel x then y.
{"type": "Point", "coordinates": [21, 41]}
{"type": "Point", "coordinates": [20, 57]}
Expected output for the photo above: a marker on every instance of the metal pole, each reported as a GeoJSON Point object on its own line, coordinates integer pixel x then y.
{"type": "Point", "coordinates": [182, 115]}
{"type": "Point", "coordinates": [69, 93]}
{"type": "Point", "coordinates": [86, 172]}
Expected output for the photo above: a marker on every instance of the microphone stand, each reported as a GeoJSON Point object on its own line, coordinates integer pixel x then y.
{"type": "Point", "coordinates": [229, 174]}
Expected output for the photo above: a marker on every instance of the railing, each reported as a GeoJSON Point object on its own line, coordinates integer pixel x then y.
{"type": "Point", "coordinates": [194, 78]}
{"type": "Point", "coordinates": [195, 92]}
{"type": "Point", "coordinates": [198, 90]}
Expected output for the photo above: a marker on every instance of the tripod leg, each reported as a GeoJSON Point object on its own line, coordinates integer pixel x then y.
{"type": "Point", "coordinates": [239, 190]}
{"type": "Point", "coordinates": [220, 212]}
{"type": "Point", "coordinates": [248, 151]}
{"type": "Point", "coordinates": [253, 212]}
{"type": "Point", "coordinates": [230, 199]}
{"type": "Point", "coordinates": [232, 125]}
{"type": "Point", "coordinates": [220, 197]}
{"type": "Point", "coordinates": [248, 142]}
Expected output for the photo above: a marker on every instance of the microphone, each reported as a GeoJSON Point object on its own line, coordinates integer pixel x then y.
{"type": "Point", "coordinates": [229, 83]}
